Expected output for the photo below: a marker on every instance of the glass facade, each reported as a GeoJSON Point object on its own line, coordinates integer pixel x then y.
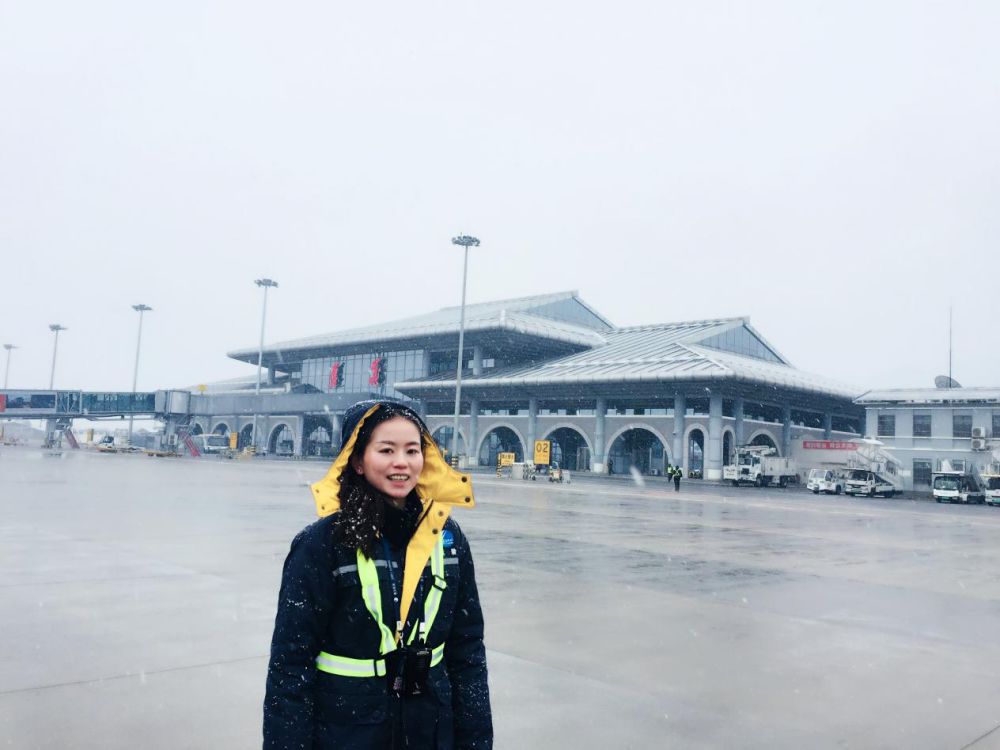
{"type": "Point", "coordinates": [570, 312]}
{"type": "Point", "coordinates": [741, 341]}
{"type": "Point", "coordinates": [846, 424]}
{"type": "Point", "coordinates": [996, 426]}
{"type": "Point", "coordinates": [357, 371]}
{"type": "Point", "coordinates": [961, 425]}
{"type": "Point", "coordinates": [96, 403]}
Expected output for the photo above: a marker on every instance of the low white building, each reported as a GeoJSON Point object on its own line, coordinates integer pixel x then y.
{"type": "Point", "coordinates": [920, 425]}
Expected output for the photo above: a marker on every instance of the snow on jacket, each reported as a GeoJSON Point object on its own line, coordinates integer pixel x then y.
{"type": "Point", "coordinates": [320, 608]}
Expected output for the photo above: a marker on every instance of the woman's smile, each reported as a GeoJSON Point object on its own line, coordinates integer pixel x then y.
{"type": "Point", "coordinates": [393, 459]}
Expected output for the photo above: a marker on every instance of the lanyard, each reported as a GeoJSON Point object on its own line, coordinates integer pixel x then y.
{"type": "Point", "coordinates": [389, 560]}
{"type": "Point", "coordinates": [390, 563]}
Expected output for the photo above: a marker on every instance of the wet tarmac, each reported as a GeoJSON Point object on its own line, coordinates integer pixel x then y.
{"type": "Point", "coordinates": [138, 594]}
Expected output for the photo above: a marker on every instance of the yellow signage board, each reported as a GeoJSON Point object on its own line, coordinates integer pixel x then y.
{"type": "Point", "coordinates": [233, 440]}
{"type": "Point", "coordinates": [543, 449]}
{"type": "Point", "coordinates": [505, 459]}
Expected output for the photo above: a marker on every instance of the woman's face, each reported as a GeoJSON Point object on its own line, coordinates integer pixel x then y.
{"type": "Point", "coordinates": [393, 458]}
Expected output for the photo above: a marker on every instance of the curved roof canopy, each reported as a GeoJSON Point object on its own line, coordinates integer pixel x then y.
{"type": "Point", "coordinates": [551, 323]}
{"type": "Point", "coordinates": [702, 350]}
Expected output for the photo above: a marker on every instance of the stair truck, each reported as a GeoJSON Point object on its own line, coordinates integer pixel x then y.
{"type": "Point", "coordinates": [955, 481]}
{"type": "Point", "coordinates": [760, 466]}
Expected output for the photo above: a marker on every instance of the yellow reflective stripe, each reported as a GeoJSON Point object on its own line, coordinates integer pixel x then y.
{"type": "Point", "coordinates": [437, 654]}
{"type": "Point", "coordinates": [345, 666]}
{"type": "Point", "coordinates": [432, 602]}
{"type": "Point", "coordinates": [348, 667]}
{"type": "Point", "coordinates": [373, 600]}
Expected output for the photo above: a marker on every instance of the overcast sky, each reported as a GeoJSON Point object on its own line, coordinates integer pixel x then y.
{"type": "Point", "coordinates": [829, 169]}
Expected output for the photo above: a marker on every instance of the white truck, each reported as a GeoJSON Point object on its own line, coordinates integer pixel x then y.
{"type": "Point", "coordinates": [758, 465]}
{"type": "Point", "coordinates": [991, 483]}
{"type": "Point", "coordinates": [992, 489]}
{"type": "Point", "coordinates": [955, 481]}
{"type": "Point", "coordinates": [211, 443]}
{"type": "Point", "coordinates": [827, 481]}
{"type": "Point", "coordinates": [956, 487]}
{"type": "Point", "coordinates": [868, 483]}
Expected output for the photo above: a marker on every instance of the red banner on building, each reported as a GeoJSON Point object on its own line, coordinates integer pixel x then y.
{"type": "Point", "coordinates": [334, 372]}
{"type": "Point", "coordinates": [3, 402]}
{"type": "Point", "coordinates": [829, 445]}
{"type": "Point", "coordinates": [377, 377]}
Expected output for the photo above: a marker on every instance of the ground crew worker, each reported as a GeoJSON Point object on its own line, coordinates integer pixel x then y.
{"type": "Point", "coordinates": [378, 639]}
{"type": "Point", "coordinates": [677, 478]}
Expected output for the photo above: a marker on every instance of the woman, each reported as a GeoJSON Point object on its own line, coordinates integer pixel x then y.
{"type": "Point", "coordinates": [378, 640]}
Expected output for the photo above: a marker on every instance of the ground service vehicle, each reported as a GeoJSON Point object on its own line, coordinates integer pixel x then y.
{"type": "Point", "coordinates": [213, 444]}
{"type": "Point", "coordinates": [955, 480]}
{"type": "Point", "coordinates": [760, 466]}
{"type": "Point", "coordinates": [825, 480]}
{"type": "Point", "coordinates": [954, 487]}
{"type": "Point", "coordinates": [864, 482]}
{"type": "Point", "coordinates": [992, 489]}
{"type": "Point", "coordinates": [991, 483]}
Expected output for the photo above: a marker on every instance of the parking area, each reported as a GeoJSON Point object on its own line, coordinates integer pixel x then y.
{"type": "Point", "coordinates": [139, 593]}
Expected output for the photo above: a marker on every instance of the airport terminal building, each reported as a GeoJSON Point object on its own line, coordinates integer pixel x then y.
{"type": "Point", "coordinates": [544, 367]}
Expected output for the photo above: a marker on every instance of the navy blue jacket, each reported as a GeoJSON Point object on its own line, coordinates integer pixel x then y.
{"type": "Point", "coordinates": [320, 608]}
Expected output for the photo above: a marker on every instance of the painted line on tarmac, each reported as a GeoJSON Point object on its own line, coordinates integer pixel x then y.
{"type": "Point", "coordinates": [980, 738]}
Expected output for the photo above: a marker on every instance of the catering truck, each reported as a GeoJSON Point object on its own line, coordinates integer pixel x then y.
{"type": "Point", "coordinates": [956, 481]}
{"type": "Point", "coordinates": [760, 466]}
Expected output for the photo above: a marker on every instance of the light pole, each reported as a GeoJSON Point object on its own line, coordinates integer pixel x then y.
{"type": "Point", "coordinates": [465, 241]}
{"type": "Point", "coordinates": [6, 374]}
{"type": "Point", "coordinates": [140, 308]}
{"type": "Point", "coordinates": [265, 284]}
{"type": "Point", "coordinates": [55, 328]}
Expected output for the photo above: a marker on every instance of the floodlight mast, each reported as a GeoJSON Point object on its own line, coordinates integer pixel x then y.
{"type": "Point", "coordinates": [55, 328]}
{"type": "Point", "coordinates": [264, 284]}
{"type": "Point", "coordinates": [466, 241]}
{"type": "Point", "coordinates": [6, 374]}
{"type": "Point", "coordinates": [141, 309]}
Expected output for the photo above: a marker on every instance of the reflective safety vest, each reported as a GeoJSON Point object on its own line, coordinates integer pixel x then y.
{"type": "Point", "coordinates": [345, 666]}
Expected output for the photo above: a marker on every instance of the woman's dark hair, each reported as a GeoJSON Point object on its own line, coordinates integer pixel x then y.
{"type": "Point", "coordinates": [362, 507]}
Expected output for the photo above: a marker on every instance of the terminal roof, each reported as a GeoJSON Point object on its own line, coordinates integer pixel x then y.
{"type": "Point", "coordinates": [541, 317]}
{"type": "Point", "coordinates": [669, 352]}
{"type": "Point", "coordinates": [931, 396]}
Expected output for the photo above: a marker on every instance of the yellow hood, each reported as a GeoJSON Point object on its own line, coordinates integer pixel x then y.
{"type": "Point", "coordinates": [439, 487]}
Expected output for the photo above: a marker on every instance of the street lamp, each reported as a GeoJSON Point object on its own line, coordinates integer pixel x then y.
{"type": "Point", "coordinates": [55, 328]}
{"type": "Point", "coordinates": [140, 308]}
{"type": "Point", "coordinates": [265, 284]}
{"type": "Point", "coordinates": [465, 241]}
{"type": "Point", "coordinates": [6, 374]}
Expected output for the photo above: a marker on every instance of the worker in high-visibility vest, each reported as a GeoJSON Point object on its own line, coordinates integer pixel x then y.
{"type": "Point", "coordinates": [378, 640]}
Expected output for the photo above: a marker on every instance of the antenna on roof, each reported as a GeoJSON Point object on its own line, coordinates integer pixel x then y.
{"type": "Point", "coordinates": [950, 379]}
